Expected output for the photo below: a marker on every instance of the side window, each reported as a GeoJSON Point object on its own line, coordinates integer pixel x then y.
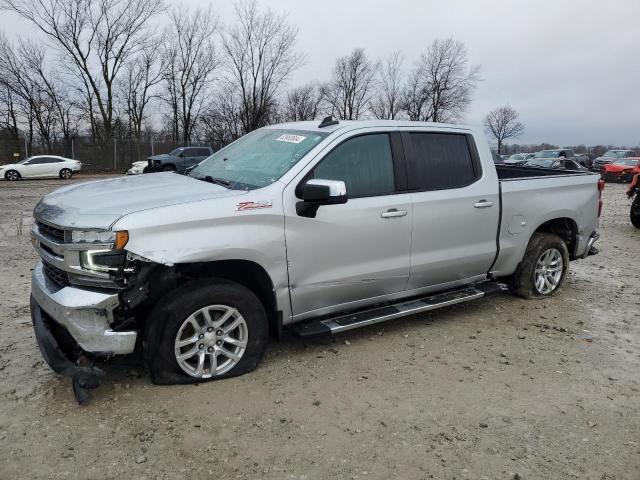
{"type": "Point", "coordinates": [202, 152]}
{"type": "Point", "coordinates": [440, 161]}
{"type": "Point", "coordinates": [52, 160]}
{"type": "Point", "coordinates": [364, 163]}
{"type": "Point", "coordinates": [190, 152]}
{"type": "Point", "coordinates": [37, 161]}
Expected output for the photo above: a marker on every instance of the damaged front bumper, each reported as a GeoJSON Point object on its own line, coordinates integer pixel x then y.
{"type": "Point", "coordinates": [86, 313]}
{"type": "Point", "coordinates": [69, 322]}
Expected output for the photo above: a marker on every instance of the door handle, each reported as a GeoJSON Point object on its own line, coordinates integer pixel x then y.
{"type": "Point", "coordinates": [483, 204]}
{"type": "Point", "coordinates": [393, 212]}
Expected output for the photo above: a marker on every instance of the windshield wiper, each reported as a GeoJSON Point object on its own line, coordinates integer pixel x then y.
{"type": "Point", "coordinates": [217, 181]}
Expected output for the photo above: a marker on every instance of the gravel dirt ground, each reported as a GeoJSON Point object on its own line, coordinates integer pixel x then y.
{"type": "Point", "coordinates": [497, 389]}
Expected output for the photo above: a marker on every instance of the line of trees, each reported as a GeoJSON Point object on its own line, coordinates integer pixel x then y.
{"type": "Point", "coordinates": [105, 69]}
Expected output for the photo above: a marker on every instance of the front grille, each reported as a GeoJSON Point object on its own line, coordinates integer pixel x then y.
{"type": "Point", "coordinates": [150, 163]}
{"type": "Point", "coordinates": [51, 232]}
{"type": "Point", "coordinates": [57, 276]}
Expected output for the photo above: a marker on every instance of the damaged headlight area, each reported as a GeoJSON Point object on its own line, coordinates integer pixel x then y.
{"type": "Point", "coordinates": [103, 261]}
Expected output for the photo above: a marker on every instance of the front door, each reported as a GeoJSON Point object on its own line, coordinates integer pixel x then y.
{"type": "Point", "coordinates": [353, 254]}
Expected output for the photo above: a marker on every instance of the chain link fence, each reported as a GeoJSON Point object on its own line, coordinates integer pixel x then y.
{"type": "Point", "coordinates": [111, 156]}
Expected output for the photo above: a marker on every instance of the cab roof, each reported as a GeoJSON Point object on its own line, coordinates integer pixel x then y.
{"type": "Point", "coordinates": [347, 125]}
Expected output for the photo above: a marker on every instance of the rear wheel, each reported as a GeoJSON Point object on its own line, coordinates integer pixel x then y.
{"type": "Point", "coordinates": [66, 173]}
{"type": "Point", "coordinates": [205, 331]}
{"type": "Point", "coordinates": [543, 268]}
{"type": "Point", "coordinates": [12, 175]}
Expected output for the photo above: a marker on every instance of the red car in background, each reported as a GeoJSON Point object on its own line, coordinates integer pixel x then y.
{"type": "Point", "coordinates": [621, 170]}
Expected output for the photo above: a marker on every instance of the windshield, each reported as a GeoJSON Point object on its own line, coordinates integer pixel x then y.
{"type": "Point", "coordinates": [547, 154]}
{"type": "Point", "coordinates": [176, 152]}
{"type": "Point", "coordinates": [258, 159]}
{"type": "Point", "coordinates": [627, 162]}
{"type": "Point", "coordinates": [540, 162]}
{"type": "Point", "coordinates": [613, 153]}
{"type": "Point", "coordinates": [515, 156]}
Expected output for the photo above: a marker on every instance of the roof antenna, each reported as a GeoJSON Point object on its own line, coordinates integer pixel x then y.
{"type": "Point", "coordinates": [328, 121]}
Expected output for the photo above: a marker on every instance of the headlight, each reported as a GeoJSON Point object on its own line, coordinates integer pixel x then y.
{"type": "Point", "coordinates": [105, 261]}
{"type": "Point", "coordinates": [117, 239]}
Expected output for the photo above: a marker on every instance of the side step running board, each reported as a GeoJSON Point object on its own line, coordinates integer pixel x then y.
{"type": "Point", "coordinates": [389, 312]}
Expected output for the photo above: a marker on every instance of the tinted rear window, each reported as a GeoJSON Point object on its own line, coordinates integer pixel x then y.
{"type": "Point", "coordinates": [440, 161]}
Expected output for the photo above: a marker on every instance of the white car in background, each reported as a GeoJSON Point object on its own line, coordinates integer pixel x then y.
{"type": "Point", "coordinates": [137, 168]}
{"type": "Point", "coordinates": [40, 166]}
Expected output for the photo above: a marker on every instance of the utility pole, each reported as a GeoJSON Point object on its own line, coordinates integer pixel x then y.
{"type": "Point", "coordinates": [26, 151]}
{"type": "Point", "coordinates": [73, 155]}
{"type": "Point", "coordinates": [114, 154]}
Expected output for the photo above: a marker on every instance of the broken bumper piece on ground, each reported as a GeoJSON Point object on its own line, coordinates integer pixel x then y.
{"type": "Point", "coordinates": [84, 378]}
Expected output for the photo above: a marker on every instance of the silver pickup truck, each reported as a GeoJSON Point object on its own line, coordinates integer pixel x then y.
{"type": "Point", "coordinates": [325, 227]}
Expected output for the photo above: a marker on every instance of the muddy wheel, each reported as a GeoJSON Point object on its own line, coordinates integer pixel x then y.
{"type": "Point", "coordinates": [543, 268]}
{"type": "Point", "coordinates": [634, 214]}
{"type": "Point", "coordinates": [12, 175]}
{"type": "Point", "coordinates": [66, 173]}
{"type": "Point", "coordinates": [205, 331]}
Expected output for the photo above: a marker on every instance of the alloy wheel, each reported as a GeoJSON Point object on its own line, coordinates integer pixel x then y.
{"type": "Point", "coordinates": [548, 271]}
{"type": "Point", "coordinates": [211, 341]}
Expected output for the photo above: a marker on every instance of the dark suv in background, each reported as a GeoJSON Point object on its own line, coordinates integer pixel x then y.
{"type": "Point", "coordinates": [178, 160]}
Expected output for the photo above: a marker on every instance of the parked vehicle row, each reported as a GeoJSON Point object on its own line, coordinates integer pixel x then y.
{"type": "Point", "coordinates": [322, 227]}
{"type": "Point", "coordinates": [40, 166]}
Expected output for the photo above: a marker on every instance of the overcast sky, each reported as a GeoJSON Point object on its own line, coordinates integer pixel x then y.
{"type": "Point", "coordinates": [570, 67]}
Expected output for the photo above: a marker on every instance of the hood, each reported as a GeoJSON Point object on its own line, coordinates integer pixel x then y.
{"type": "Point", "coordinates": [617, 168]}
{"type": "Point", "coordinates": [99, 204]}
{"type": "Point", "coordinates": [9, 165]}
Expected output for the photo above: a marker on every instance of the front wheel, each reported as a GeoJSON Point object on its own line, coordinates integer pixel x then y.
{"type": "Point", "coordinates": [12, 175]}
{"type": "Point", "coordinates": [205, 331]}
{"type": "Point", "coordinates": [66, 173]}
{"type": "Point", "coordinates": [543, 268]}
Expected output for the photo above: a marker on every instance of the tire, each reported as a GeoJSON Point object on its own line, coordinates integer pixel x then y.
{"type": "Point", "coordinates": [146, 170]}
{"type": "Point", "coordinates": [12, 175]}
{"type": "Point", "coordinates": [634, 213]}
{"type": "Point", "coordinates": [173, 320]}
{"type": "Point", "coordinates": [65, 173]}
{"type": "Point", "coordinates": [169, 168]}
{"type": "Point", "coordinates": [526, 281]}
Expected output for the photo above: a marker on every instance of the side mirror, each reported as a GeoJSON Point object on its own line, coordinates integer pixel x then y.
{"type": "Point", "coordinates": [317, 192]}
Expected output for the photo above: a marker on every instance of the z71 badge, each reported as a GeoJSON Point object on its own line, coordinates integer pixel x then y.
{"type": "Point", "coordinates": [242, 206]}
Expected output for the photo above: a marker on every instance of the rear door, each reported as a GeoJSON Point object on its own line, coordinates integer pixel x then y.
{"type": "Point", "coordinates": [357, 253]}
{"type": "Point", "coordinates": [455, 209]}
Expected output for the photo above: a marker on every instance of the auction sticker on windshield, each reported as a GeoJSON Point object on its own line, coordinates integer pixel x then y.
{"type": "Point", "coordinates": [290, 138]}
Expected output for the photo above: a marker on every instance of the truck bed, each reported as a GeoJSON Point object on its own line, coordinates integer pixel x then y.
{"type": "Point", "coordinates": [530, 196]}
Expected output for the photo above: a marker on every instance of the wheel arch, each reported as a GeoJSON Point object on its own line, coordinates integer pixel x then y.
{"type": "Point", "coordinates": [247, 273]}
{"type": "Point", "coordinates": [566, 228]}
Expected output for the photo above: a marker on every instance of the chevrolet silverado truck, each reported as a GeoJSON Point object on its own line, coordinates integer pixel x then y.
{"type": "Point", "coordinates": [318, 227]}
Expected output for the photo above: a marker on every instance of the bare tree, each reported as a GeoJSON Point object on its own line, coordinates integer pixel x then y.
{"type": "Point", "coordinates": [302, 103]}
{"type": "Point", "coordinates": [503, 124]}
{"type": "Point", "coordinates": [440, 86]}
{"type": "Point", "coordinates": [260, 59]}
{"type": "Point", "coordinates": [190, 60]}
{"type": "Point", "coordinates": [97, 36]}
{"type": "Point", "coordinates": [387, 102]}
{"type": "Point", "coordinates": [351, 87]}
{"type": "Point", "coordinates": [142, 74]}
